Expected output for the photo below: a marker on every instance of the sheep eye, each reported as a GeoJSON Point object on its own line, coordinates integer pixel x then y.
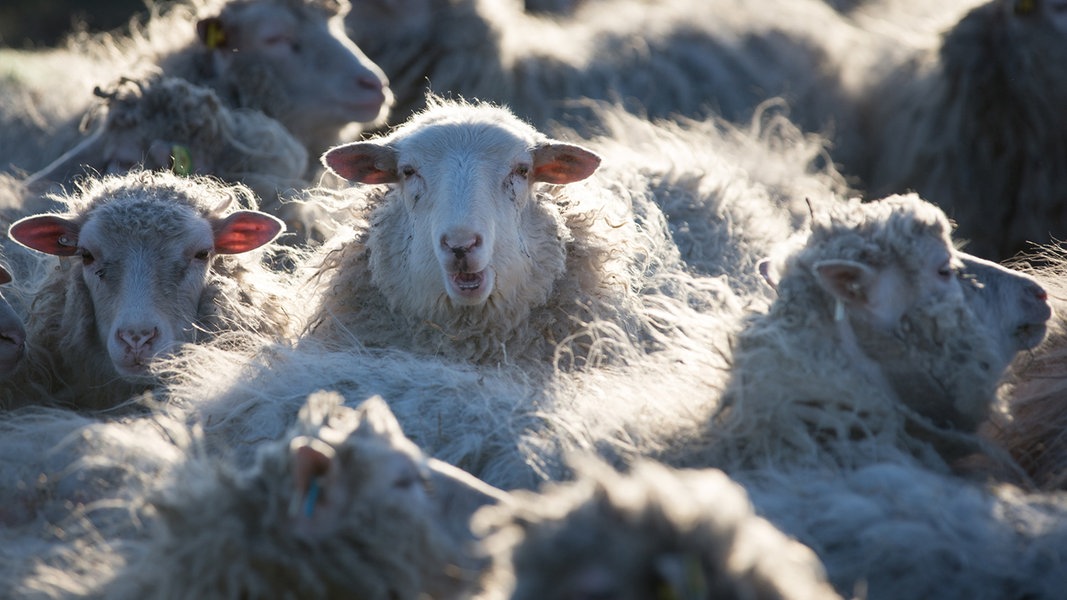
{"type": "Point", "coordinates": [87, 257]}
{"type": "Point", "coordinates": [946, 271]}
{"type": "Point", "coordinates": [523, 171]}
{"type": "Point", "coordinates": [407, 171]}
{"type": "Point", "coordinates": [202, 255]}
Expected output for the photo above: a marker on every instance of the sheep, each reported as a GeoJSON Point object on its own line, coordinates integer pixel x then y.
{"type": "Point", "coordinates": [897, 530]}
{"type": "Point", "coordinates": [286, 58]}
{"type": "Point", "coordinates": [651, 533]}
{"type": "Point", "coordinates": [343, 506]}
{"type": "Point", "coordinates": [143, 266]}
{"type": "Point", "coordinates": [459, 249]}
{"type": "Point", "coordinates": [657, 58]}
{"type": "Point", "coordinates": [974, 124]}
{"type": "Point", "coordinates": [878, 341]}
{"type": "Point", "coordinates": [160, 122]}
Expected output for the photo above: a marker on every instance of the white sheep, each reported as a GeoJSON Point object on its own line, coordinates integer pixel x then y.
{"type": "Point", "coordinates": [461, 249]}
{"type": "Point", "coordinates": [879, 339]}
{"type": "Point", "coordinates": [342, 506]}
{"type": "Point", "coordinates": [651, 533]}
{"type": "Point", "coordinates": [289, 59]}
{"type": "Point", "coordinates": [656, 58]}
{"type": "Point", "coordinates": [144, 264]}
{"type": "Point", "coordinates": [973, 123]}
{"type": "Point", "coordinates": [160, 122]}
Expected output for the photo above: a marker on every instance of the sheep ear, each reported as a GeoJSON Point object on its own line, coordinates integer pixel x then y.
{"type": "Point", "coordinates": [245, 230]}
{"type": "Point", "coordinates": [363, 162]}
{"type": "Point", "coordinates": [846, 280]}
{"type": "Point", "coordinates": [50, 234]}
{"type": "Point", "coordinates": [376, 416]}
{"type": "Point", "coordinates": [769, 273]}
{"type": "Point", "coordinates": [5, 275]}
{"type": "Point", "coordinates": [211, 32]}
{"type": "Point", "coordinates": [556, 162]}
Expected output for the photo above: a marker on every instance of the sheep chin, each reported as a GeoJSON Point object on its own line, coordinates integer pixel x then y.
{"type": "Point", "coordinates": [469, 289]}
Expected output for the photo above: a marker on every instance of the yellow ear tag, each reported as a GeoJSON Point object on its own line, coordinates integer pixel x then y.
{"type": "Point", "coordinates": [215, 36]}
{"type": "Point", "coordinates": [1025, 7]}
{"type": "Point", "coordinates": [183, 161]}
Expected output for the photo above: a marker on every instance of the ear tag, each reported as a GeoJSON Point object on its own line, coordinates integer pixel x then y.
{"type": "Point", "coordinates": [215, 36]}
{"type": "Point", "coordinates": [839, 310]}
{"type": "Point", "coordinates": [312, 498]}
{"type": "Point", "coordinates": [64, 240]}
{"type": "Point", "coordinates": [183, 161]}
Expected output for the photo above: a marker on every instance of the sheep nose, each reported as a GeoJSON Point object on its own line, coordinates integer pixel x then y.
{"type": "Point", "coordinates": [1037, 292]}
{"type": "Point", "coordinates": [369, 82]}
{"type": "Point", "coordinates": [461, 248]}
{"type": "Point", "coordinates": [138, 338]}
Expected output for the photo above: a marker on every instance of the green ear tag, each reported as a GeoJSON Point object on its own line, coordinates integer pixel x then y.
{"type": "Point", "coordinates": [183, 161]}
{"type": "Point", "coordinates": [215, 37]}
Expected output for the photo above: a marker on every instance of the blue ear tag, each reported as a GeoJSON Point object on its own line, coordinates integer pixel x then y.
{"type": "Point", "coordinates": [311, 499]}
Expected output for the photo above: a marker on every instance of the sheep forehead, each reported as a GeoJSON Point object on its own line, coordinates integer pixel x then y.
{"type": "Point", "coordinates": [882, 233]}
{"type": "Point", "coordinates": [478, 122]}
{"type": "Point", "coordinates": [145, 224]}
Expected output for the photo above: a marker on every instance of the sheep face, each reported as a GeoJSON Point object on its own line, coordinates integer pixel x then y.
{"type": "Point", "coordinates": [12, 333]}
{"type": "Point", "coordinates": [466, 218]}
{"type": "Point", "coordinates": [144, 265]}
{"type": "Point", "coordinates": [294, 61]}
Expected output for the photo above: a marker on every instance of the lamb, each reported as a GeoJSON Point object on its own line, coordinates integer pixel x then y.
{"type": "Point", "coordinates": [343, 506]}
{"type": "Point", "coordinates": [658, 59]}
{"type": "Point", "coordinates": [974, 125]}
{"type": "Point", "coordinates": [144, 264]}
{"type": "Point", "coordinates": [876, 343]}
{"type": "Point", "coordinates": [462, 251]}
{"type": "Point", "coordinates": [161, 122]}
{"type": "Point", "coordinates": [286, 58]}
{"type": "Point", "coordinates": [652, 533]}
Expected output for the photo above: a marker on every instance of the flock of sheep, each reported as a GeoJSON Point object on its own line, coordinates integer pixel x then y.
{"type": "Point", "coordinates": [567, 299]}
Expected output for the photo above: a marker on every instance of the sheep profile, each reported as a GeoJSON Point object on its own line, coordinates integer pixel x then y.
{"type": "Point", "coordinates": [289, 59]}
{"type": "Point", "coordinates": [879, 339]}
{"type": "Point", "coordinates": [651, 533]}
{"type": "Point", "coordinates": [144, 264]}
{"type": "Point", "coordinates": [659, 59]}
{"type": "Point", "coordinates": [975, 125]}
{"type": "Point", "coordinates": [464, 251]}
{"type": "Point", "coordinates": [344, 506]}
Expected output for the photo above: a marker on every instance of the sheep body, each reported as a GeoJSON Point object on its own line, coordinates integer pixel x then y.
{"type": "Point", "coordinates": [650, 533]}
{"type": "Point", "coordinates": [999, 67]}
{"type": "Point", "coordinates": [657, 58]}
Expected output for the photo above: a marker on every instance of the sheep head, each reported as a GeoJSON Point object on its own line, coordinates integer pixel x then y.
{"type": "Point", "coordinates": [465, 214]}
{"type": "Point", "coordinates": [293, 61]}
{"type": "Point", "coordinates": [145, 243]}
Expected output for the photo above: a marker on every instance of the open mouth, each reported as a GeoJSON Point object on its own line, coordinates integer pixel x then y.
{"type": "Point", "coordinates": [469, 288]}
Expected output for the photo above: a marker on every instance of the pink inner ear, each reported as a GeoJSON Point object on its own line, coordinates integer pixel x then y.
{"type": "Point", "coordinates": [362, 162]}
{"type": "Point", "coordinates": [50, 234]}
{"type": "Point", "coordinates": [245, 230]}
{"type": "Point", "coordinates": [563, 163]}
{"type": "Point", "coordinates": [308, 463]}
